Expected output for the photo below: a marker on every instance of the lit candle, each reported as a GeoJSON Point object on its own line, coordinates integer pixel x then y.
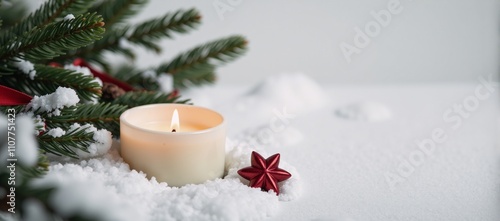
{"type": "Point", "coordinates": [176, 143]}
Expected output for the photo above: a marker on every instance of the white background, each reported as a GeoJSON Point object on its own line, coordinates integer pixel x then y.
{"type": "Point", "coordinates": [429, 41]}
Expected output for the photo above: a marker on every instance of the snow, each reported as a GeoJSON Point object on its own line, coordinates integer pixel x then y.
{"type": "Point", "coordinates": [56, 132]}
{"type": "Point", "coordinates": [338, 163]}
{"type": "Point", "coordinates": [149, 74]}
{"type": "Point", "coordinates": [83, 70]}
{"type": "Point", "coordinates": [117, 193]}
{"type": "Point", "coordinates": [74, 198]}
{"type": "Point", "coordinates": [102, 138]}
{"type": "Point", "coordinates": [342, 162]}
{"type": "Point", "coordinates": [39, 124]}
{"type": "Point", "coordinates": [278, 98]}
{"type": "Point", "coordinates": [26, 67]}
{"type": "Point", "coordinates": [26, 144]}
{"type": "Point", "coordinates": [62, 97]}
{"type": "Point", "coordinates": [295, 91]}
{"type": "Point", "coordinates": [370, 111]}
{"type": "Point", "coordinates": [69, 17]}
{"type": "Point", "coordinates": [116, 189]}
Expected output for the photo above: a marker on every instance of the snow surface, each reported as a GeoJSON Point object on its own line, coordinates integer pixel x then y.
{"type": "Point", "coordinates": [340, 165]}
{"type": "Point", "coordinates": [62, 97]}
{"type": "Point", "coordinates": [279, 97]}
{"type": "Point", "coordinates": [296, 91]}
{"type": "Point", "coordinates": [365, 111]}
{"type": "Point", "coordinates": [116, 190]}
{"type": "Point", "coordinates": [343, 162]}
{"type": "Point", "coordinates": [105, 187]}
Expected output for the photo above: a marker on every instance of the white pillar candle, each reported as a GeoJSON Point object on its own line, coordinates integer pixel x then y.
{"type": "Point", "coordinates": [193, 154]}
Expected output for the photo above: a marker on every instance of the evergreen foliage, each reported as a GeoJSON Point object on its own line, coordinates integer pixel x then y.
{"type": "Point", "coordinates": [48, 79]}
{"type": "Point", "coordinates": [61, 31]}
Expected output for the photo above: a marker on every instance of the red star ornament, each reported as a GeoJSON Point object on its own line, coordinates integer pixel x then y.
{"type": "Point", "coordinates": [264, 173]}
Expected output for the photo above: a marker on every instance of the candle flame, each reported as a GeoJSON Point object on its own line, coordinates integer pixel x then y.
{"type": "Point", "coordinates": [175, 125]}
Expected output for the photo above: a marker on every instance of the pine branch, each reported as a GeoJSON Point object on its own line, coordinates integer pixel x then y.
{"type": "Point", "coordinates": [95, 52]}
{"type": "Point", "coordinates": [17, 109]}
{"type": "Point", "coordinates": [46, 14]}
{"type": "Point", "coordinates": [199, 63]}
{"type": "Point", "coordinates": [196, 74]}
{"type": "Point", "coordinates": [138, 81]}
{"type": "Point", "coordinates": [103, 115]}
{"type": "Point", "coordinates": [11, 14]}
{"type": "Point", "coordinates": [145, 34]}
{"type": "Point", "coordinates": [133, 99]}
{"type": "Point", "coordinates": [7, 68]}
{"type": "Point", "coordinates": [181, 21]}
{"type": "Point", "coordinates": [133, 76]}
{"type": "Point", "coordinates": [100, 59]}
{"type": "Point", "coordinates": [48, 79]}
{"type": "Point", "coordinates": [54, 39]}
{"type": "Point", "coordinates": [37, 171]}
{"type": "Point", "coordinates": [126, 71]}
{"type": "Point", "coordinates": [66, 144]}
{"type": "Point", "coordinates": [116, 11]}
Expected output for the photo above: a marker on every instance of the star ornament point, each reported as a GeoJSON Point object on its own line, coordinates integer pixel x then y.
{"type": "Point", "coordinates": [264, 173]}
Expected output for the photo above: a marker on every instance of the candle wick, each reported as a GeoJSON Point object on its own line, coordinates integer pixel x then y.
{"type": "Point", "coordinates": [173, 130]}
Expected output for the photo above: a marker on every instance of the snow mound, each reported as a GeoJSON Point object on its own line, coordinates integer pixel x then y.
{"type": "Point", "coordinates": [84, 71]}
{"type": "Point", "coordinates": [365, 111]}
{"type": "Point", "coordinates": [103, 140]}
{"type": "Point", "coordinates": [26, 67]}
{"type": "Point", "coordinates": [105, 187]}
{"type": "Point", "coordinates": [296, 91]}
{"type": "Point", "coordinates": [62, 97]}
{"type": "Point", "coordinates": [56, 132]}
{"type": "Point", "coordinates": [276, 101]}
